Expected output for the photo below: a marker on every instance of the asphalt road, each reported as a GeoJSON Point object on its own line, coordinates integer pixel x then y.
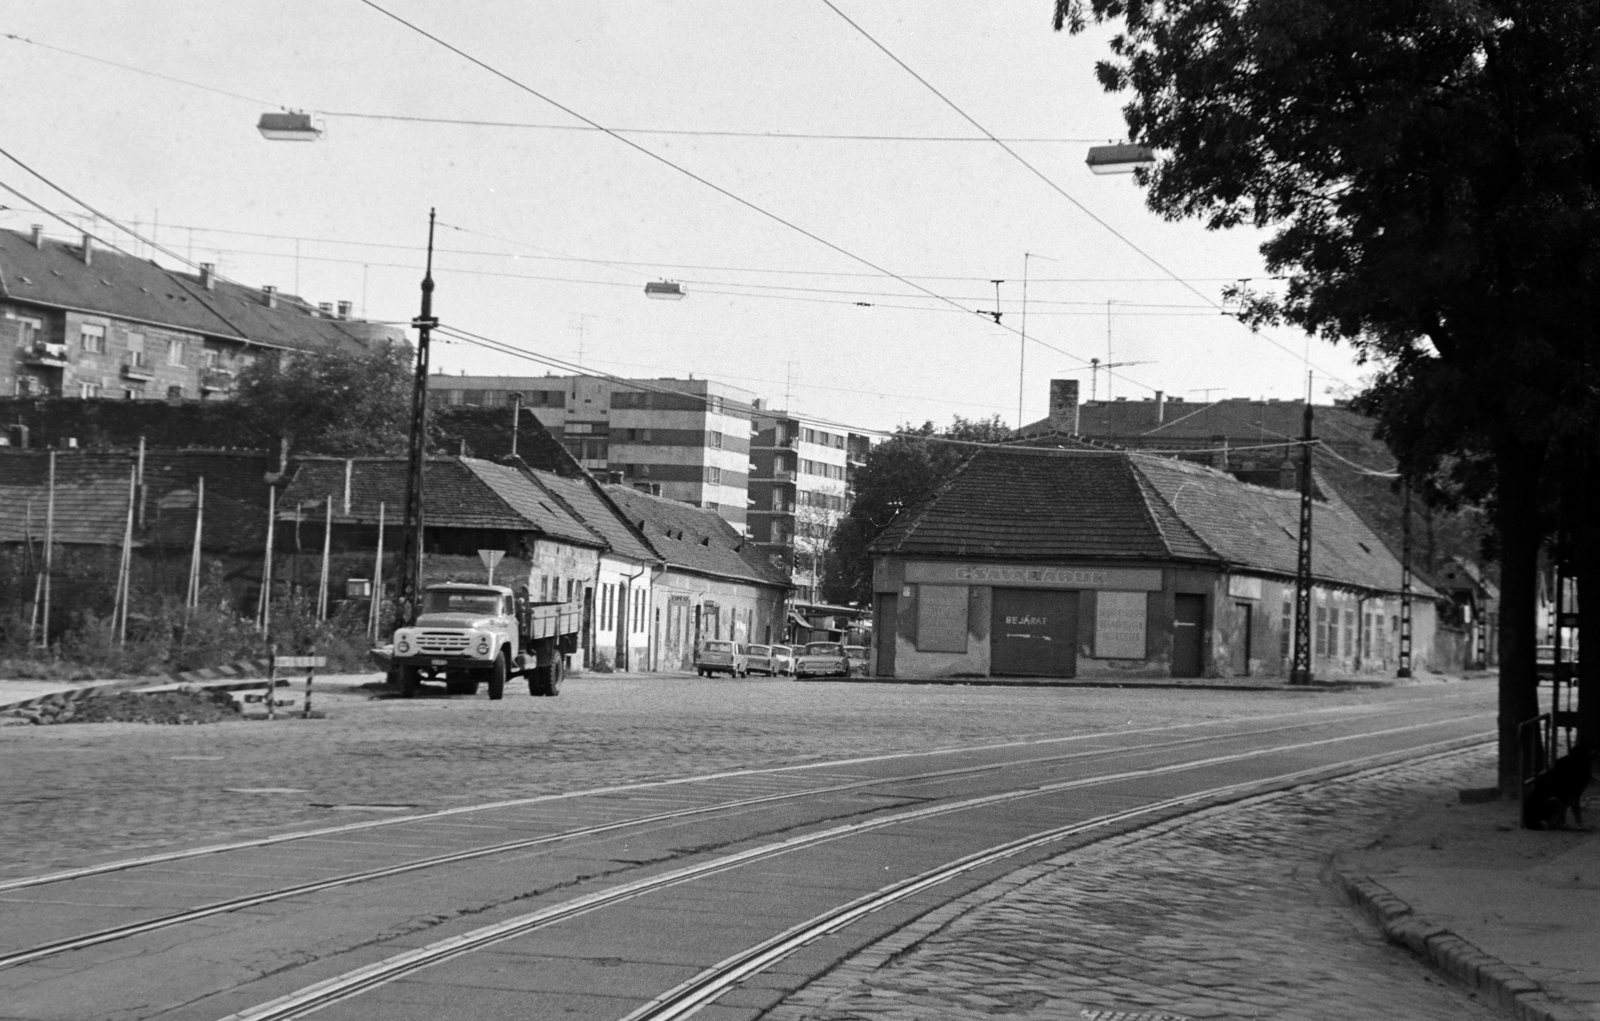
{"type": "Point", "coordinates": [581, 857]}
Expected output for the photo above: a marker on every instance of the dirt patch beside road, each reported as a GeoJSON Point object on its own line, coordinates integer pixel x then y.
{"type": "Point", "coordinates": [168, 707]}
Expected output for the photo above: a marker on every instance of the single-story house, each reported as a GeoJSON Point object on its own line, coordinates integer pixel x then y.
{"type": "Point", "coordinates": [1099, 563]}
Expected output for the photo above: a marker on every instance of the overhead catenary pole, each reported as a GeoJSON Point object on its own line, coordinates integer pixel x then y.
{"type": "Point", "coordinates": [516, 419]}
{"type": "Point", "coordinates": [409, 581]}
{"type": "Point", "coordinates": [1300, 666]}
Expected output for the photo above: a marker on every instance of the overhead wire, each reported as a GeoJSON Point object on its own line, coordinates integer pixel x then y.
{"type": "Point", "coordinates": [706, 182]}
{"type": "Point", "coordinates": [1042, 176]}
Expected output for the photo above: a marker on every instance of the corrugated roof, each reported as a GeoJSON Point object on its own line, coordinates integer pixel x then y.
{"type": "Point", "coordinates": [694, 539]}
{"type": "Point", "coordinates": [120, 285]}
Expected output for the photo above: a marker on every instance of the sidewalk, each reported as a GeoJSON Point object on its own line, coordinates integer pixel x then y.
{"type": "Point", "coordinates": [1514, 913]}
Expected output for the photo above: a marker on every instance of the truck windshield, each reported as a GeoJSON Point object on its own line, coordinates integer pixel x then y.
{"type": "Point", "coordinates": [461, 602]}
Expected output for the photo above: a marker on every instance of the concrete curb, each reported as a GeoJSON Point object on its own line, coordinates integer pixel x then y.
{"type": "Point", "coordinates": [1496, 981]}
{"type": "Point", "coordinates": [1050, 682]}
{"type": "Point", "coordinates": [231, 676]}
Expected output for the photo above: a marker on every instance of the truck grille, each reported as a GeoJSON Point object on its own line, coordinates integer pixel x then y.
{"type": "Point", "coordinates": [441, 642]}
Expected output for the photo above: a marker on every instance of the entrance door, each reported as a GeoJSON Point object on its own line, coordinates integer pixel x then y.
{"type": "Point", "coordinates": [1239, 650]}
{"type": "Point", "coordinates": [885, 626]}
{"type": "Point", "coordinates": [1188, 617]}
{"type": "Point", "coordinates": [1034, 633]}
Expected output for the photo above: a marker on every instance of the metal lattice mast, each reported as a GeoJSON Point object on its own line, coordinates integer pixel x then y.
{"type": "Point", "coordinates": [409, 579]}
{"type": "Point", "coordinates": [1405, 581]}
{"type": "Point", "coordinates": [1300, 667]}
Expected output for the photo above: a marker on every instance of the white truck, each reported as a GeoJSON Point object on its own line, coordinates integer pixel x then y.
{"type": "Point", "coordinates": [469, 635]}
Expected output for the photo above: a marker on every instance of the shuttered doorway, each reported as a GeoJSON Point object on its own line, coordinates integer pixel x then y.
{"type": "Point", "coordinates": [1034, 633]}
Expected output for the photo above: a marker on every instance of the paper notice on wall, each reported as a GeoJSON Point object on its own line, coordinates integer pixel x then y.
{"type": "Point", "coordinates": [1119, 625]}
{"type": "Point", "coordinates": [942, 618]}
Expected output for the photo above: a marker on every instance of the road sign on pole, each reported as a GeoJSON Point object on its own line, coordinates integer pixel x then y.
{"type": "Point", "coordinates": [491, 557]}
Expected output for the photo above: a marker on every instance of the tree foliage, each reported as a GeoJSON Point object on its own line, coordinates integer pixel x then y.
{"type": "Point", "coordinates": [348, 404]}
{"type": "Point", "coordinates": [1428, 170]}
{"type": "Point", "coordinates": [898, 475]}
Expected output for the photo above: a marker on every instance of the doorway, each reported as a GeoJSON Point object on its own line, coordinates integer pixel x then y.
{"type": "Point", "coordinates": [1239, 650]}
{"type": "Point", "coordinates": [1034, 633]}
{"type": "Point", "coordinates": [1188, 622]}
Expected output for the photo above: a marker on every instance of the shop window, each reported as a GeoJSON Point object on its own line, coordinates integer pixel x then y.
{"type": "Point", "coordinates": [942, 618]}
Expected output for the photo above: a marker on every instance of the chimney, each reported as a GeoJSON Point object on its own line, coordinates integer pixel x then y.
{"type": "Point", "coordinates": [1161, 407]}
{"type": "Point", "coordinates": [208, 275]}
{"type": "Point", "coordinates": [269, 295]}
{"type": "Point", "coordinates": [326, 308]}
{"type": "Point", "coordinates": [38, 235]}
{"type": "Point", "coordinates": [88, 250]}
{"type": "Point", "coordinates": [1064, 406]}
{"type": "Point", "coordinates": [344, 310]}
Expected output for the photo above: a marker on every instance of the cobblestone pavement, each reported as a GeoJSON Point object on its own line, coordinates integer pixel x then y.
{"type": "Point", "coordinates": [1226, 915]}
{"type": "Point", "coordinates": [83, 793]}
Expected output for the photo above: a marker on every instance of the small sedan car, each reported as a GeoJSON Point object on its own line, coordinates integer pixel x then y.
{"type": "Point", "coordinates": [822, 659]}
{"type": "Point", "coordinates": [783, 660]}
{"type": "Point", "coordinates": [857, 655]}
{"type": "Point", "coordinates": [720, 657]}
{"type": "Point", "coordinates": [758, 659]}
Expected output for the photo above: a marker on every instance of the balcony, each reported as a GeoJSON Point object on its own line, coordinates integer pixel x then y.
{"type": "Point", "coordinates": [137, 367]}
{"type": "Point", "coordinates": [48, 356]}
{"type": "Point", "coordinates": [782, 475]}
{"type": "Point", "coordinates": [216, 380]}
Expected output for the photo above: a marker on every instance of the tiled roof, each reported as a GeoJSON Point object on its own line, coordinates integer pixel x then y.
{"type": "Point", "coordinates": [584, 497]}
{"type": "Point", "coordinates": [1020, 503]}
{"type": "Point", "coordinates": [532, 501]}
{"type": "Point", "coordinates": [92, 496]}
{"type": "Point", "coordinates": [119, 285]}
{"type": "Point", "coordinates": [695, 540]}
{"type": "Point", "coordinates": [1027, 503]}
{"type": "Point", "coordinates": [1259, 528]}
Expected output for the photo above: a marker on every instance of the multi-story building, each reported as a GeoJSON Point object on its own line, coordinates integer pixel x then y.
{"type": "Point", "coordinates": [682, 439]}
{"type": "Point", "coordinates": [801, 471]}
{"type": "Point", "coordinates": [77, 320]}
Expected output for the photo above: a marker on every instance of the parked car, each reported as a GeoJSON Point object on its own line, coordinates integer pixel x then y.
{"type": "Point", "coordinates": [758, 660]}
{"type": "Point", "coordinates": [720, 657]}
{"type": "Point", "coordinates": [783, 660]}
{"type": "Point", "coordinates": [822, 659]}
{"type": "Point", "coordinates": [857, 654]}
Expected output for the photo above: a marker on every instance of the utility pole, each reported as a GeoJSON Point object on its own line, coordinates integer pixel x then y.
{"type": "Point", "coordinates": [1405, 580]}
{"type": "Point", "coordinates": [516, 418]}
{"type": "Point", "coordinates": [1300, 668]}
{"type": "Point", "coordinates": [408, 584]}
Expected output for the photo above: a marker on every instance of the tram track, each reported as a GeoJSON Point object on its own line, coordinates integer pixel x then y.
{"type": "Point", "coordinates": [1345, 714]}
{"type": "Point", "coordinates": [712, 982]}
{"type": "Point", "coordinates": [194, 914]}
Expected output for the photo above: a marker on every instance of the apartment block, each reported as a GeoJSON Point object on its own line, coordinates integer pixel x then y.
{"type": "Point", "coordinates": [682, 439]}
{"type": "Point", "coordinates": [801, 470]}
{"type": "Point", "coordinates": [78, 320]}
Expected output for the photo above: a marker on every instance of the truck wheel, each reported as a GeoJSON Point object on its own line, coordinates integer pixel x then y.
{"type": "Point", "coordinates": [410, 679]}
{"type": "Point", "coordinates": [497, 679]}
{"type": "Point", "coordinates": [558, 673]}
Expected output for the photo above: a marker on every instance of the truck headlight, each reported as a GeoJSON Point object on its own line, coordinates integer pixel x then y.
{"type": "Point", "coordinates": [402, 645]}
{"type": "Point", "coordinates": [483, 646]}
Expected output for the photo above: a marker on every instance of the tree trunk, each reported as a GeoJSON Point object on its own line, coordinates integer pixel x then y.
{"type": "Point", "coordinates": [1518, 466]}
{"type": "Point", "coordinates": [1587, 542]}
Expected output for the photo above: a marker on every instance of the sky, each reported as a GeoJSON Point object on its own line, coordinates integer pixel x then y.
{"type": "Point", "coordinates": [848, 279]}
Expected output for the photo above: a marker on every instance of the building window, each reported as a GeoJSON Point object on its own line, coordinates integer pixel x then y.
{"type": "Point", "coordinates": [87, 390]}
{"type": "Point", "coordinates": [1349, 632]}
{"type": "Point", "coordinates": [714, 440]}
{"type": "Point", "coordinates": [1322, 630]}
{"type": "Point", "coordinates": [28, 329]}
{"type": "Point", "coordinates": [1286, 635]}
{"type": "Point", "coordinates": [136, 349]}
{"type": "Point", "coordinates": [714, 476]}
{"type": "Point", "coordinates": [175, 352]}
{"type": "Point", "coordinates": [133, 393]}
{"type": "Point", "coordinates": [92, 338]}
{"type": "Point", "coordinates": [174, 393]}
